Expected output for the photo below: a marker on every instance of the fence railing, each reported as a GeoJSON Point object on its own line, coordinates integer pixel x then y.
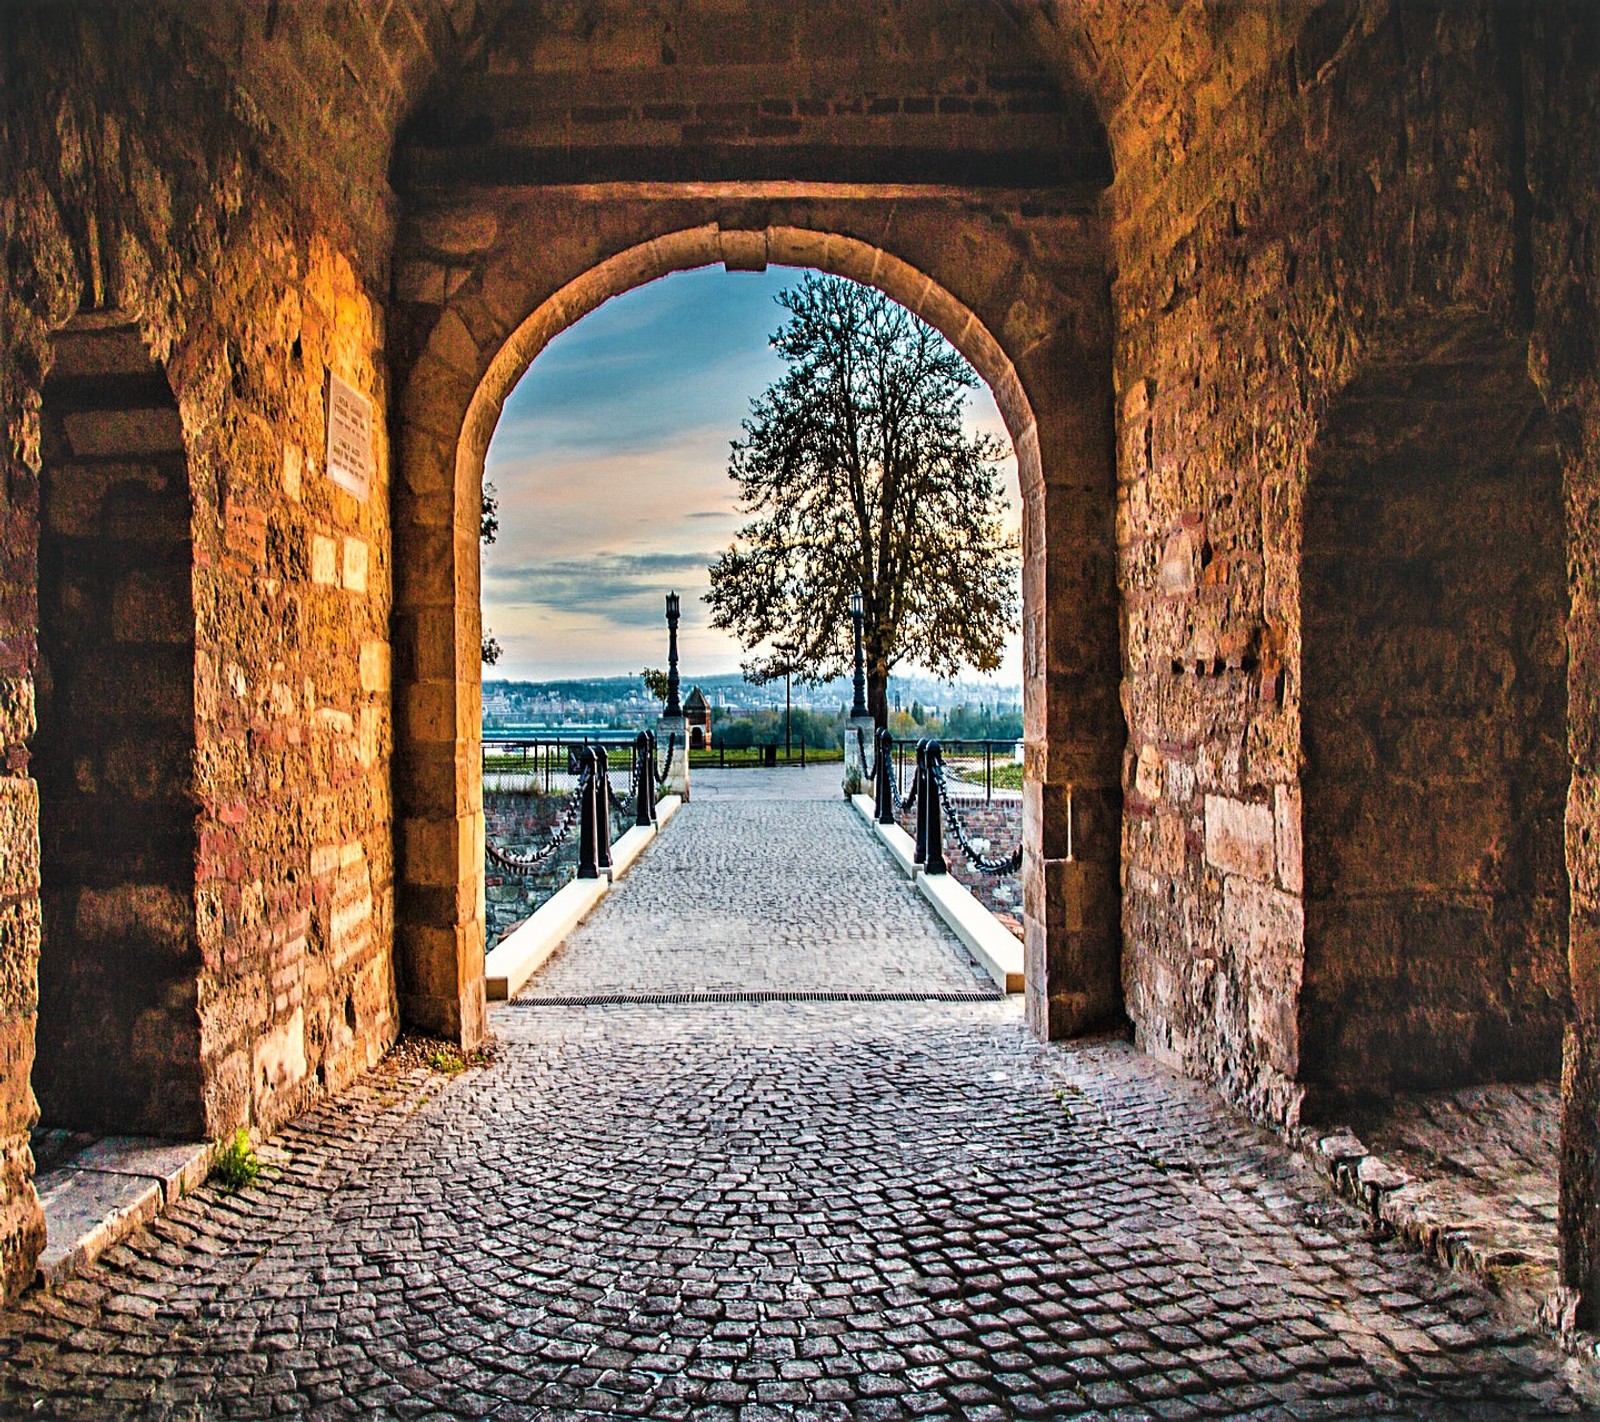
{"type": "Point", "coordinates": [984, 770]}
{"type": "Point", "coordinates": [602, 786]}
{"type": "Point", "coordinates": [767, 753]}
{"type": "Point", "coordinates": [930, 798]}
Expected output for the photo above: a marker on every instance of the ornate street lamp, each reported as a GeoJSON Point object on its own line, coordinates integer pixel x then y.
{"type": "Point", "coordinates": [673, 709]}
{"type": "Point", "coordinates": [859, 706]}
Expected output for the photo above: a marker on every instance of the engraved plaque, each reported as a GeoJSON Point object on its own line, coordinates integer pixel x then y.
{"type": "Point", "coordinates": [349, 437]}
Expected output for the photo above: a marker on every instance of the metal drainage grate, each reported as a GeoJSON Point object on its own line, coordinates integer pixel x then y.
{"type": "Point", "coordinates": [607, 999]}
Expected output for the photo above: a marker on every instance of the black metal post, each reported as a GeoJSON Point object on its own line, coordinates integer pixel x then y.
{"type": "Point", "coordinates": [673, 708]}
{"type": "Point", "coordinates": [933, 856]}
{"type": "Point", "coordinates": [858, 705]}
{"type": "Point", "coordinates": [602, 809]}
{"type": "Point", "coordinates": [883, 770]}
{"type": "Point", "coordinates": [920, 856]}
{"type": "Point", "coordinates": [588, 862]}
{"type": "Point", "coordinates": [644, 809]}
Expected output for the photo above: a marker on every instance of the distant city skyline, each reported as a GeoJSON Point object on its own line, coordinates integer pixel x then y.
{"type": "Point", "coordinates": [610, 465]}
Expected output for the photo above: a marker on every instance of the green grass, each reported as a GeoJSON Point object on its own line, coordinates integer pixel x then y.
{"type": "Point", "coordinates": [751, 756]}
{"type": "Point", "coordinates": [1006, 777]}
{"type": "Point", "coordinates": [452, 1061]}
{"type": "Point", "coordinates": [234, 1165]}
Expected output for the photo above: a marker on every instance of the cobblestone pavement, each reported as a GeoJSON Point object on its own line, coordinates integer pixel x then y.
{"type": "Point", "coordinates": [748, 894]}
{"type": "Point", "coordinates": [789, 782]}
{"type": "Point", "coordinates": [756, 1211]}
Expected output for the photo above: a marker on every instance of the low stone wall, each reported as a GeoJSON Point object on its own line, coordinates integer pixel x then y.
{"type": "Point", "coordinates": [999, 822]}
{"type": "Point", "coordinates": [520, 822]}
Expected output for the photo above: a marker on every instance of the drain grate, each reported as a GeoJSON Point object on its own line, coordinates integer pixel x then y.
{"type": "Point", "coordinates": [649, 999]}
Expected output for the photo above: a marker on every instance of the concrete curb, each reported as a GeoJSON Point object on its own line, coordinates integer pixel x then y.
{"type": "Point", "coordinates": [1438, 1221]}
{"type": "Point", "coordinates": [995, 948]}
{"type": "Point", "coordinates": [523, 951]}
{"type": "Point", "coordinates": [101, 1196]}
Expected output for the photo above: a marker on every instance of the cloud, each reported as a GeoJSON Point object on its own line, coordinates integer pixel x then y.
{"type": "Point", "coordinates": [610, 462]}
{"type": "Point", "coordinates": [608, 589]}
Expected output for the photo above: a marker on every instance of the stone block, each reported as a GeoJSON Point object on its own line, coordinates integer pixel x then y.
{"type": "Point", "coordinates": [87, 1211]}
{"type": "Point", "coordinates": [124, 432]}
{"type": "Point", "coordinates": [18, 1110]}
{"type": "Point", "coordinates": [375, 667]}
{"type": "Point", "coordinates": [1287, 836]}
{"type": "Point", "coordinates": [354, 569]}
{"type": "Point", "coordinates": [152, 606]}
{"type": "Point", "coordinates": [147, 914]}
{"type": "Point", "coordinates": [19, 835]}
{"type": "Point", "coordinates": [324, 561]}
{"type": "Point", "coordinates": [19, 956]}
{"type": "Point", "coordinates": [1240, 837]}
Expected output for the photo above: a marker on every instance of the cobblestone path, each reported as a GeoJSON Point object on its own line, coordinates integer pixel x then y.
{"type": "Point", "coordinates": [763, 895]}
{"type": "Point", "coordinates": [764, 1210]}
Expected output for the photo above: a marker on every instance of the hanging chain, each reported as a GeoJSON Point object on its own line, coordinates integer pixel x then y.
{"type": "Point", "coordinates": [904, 805]}
{"type": "Point", "coordinates": [522, 863]}
{"type": "Point", "coordinates": [986, 864]}
{"type": "Point", "coordinates": [662, 772]}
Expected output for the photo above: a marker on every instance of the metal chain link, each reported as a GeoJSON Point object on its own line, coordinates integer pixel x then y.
{"type": "Point", "coordinates": [522, 863]}
{"type": "Point", "coordinates": [660, 773]}
{"type": "Point", "coordinates": [904, 806]}
{"type": "Point", "coordinates": [985, 864]}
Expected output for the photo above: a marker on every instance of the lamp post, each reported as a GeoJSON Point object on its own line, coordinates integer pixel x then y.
{"type": "Point", "coordinates": [786, 650]}
{"type": "Point", "coordinates": [858, 707]}
{"type": "Point", "coordinates": [673, 709]}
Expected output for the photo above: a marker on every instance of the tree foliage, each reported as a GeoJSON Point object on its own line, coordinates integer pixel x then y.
{"type": "Point", "coordinates": [488, 531]}
{"type": "Point", "coordinates": [856, 474]}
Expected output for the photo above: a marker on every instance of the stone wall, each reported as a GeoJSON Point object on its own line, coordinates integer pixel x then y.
{"type": "Point", "coordinates": [145, 179]}
{"type": "Point", "coordinates": [118, 1041]}
{"type": "Point", "coordinates": [1433, 707]}
{"type": "Point", "coordinates": [1317, 178]}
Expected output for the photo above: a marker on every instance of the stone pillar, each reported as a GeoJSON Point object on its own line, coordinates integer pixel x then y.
{"type": "Point", "coordinates": [1072, 715]}
{"type": "Point", "coordinates": [668, 728]}
{"type": "Point", "coordinates": [858, 752]}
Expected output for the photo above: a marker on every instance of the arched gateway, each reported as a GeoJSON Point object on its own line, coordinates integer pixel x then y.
{"type": "Point", "coordinates": [521, 268]}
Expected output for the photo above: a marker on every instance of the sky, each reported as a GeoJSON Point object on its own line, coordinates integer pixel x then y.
{"type": "Point", "coordinates": [610, 462]}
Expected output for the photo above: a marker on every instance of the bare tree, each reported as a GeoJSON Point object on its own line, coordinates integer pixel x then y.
{"type": "Point", "coordinates": [856, 473]}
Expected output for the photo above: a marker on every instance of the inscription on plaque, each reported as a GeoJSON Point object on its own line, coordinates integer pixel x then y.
{"type": "Point", "coordinates": [349, 437]}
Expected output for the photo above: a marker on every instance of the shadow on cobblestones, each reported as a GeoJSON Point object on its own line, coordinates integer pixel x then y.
{"type": "Point", "coordinates": [750, 1211]}
{"type": "Point", "coordinates": [792, 1210]}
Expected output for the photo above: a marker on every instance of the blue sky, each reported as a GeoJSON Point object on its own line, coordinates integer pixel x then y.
{"type": "Point", "coordinates": [611, 464]}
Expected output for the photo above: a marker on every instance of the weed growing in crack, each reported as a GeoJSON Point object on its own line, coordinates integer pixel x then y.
{"type": "Point", "coordinates": [234, 1165]}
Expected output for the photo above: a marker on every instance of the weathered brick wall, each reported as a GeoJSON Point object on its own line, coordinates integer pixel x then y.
{"type": "Point", "coordinates": [830, 90]}
{"type": "Point", "coordinates": [142, 178]}
{"type": "Point", "coordinates": [1290, 186]}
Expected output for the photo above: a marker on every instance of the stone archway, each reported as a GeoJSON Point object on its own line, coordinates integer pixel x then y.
{"type": "Point", "coordinates": [496, 280]}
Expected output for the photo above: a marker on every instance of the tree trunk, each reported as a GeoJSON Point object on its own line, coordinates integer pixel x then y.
{"type": "Point", "coordinates": [878, 698]}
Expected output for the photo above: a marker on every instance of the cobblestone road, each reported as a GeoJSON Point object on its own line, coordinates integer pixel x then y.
{"type": "Point", "coordinates": [754, 1211]}
{"type": "Point", "coordinates": [763, 894]}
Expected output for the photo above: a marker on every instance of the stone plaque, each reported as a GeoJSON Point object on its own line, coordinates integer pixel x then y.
{"type": "Point", "coordinates": [349, 437]}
